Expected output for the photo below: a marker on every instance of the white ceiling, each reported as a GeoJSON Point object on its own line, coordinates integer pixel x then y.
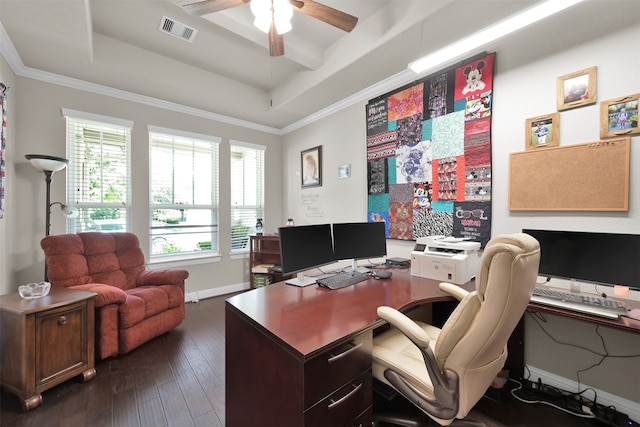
{"type": "Point", "coordinates": [227, 69]}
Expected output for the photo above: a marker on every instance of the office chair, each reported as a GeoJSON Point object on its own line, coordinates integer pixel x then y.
{"type": "Point", "coordinates": [444, 372]}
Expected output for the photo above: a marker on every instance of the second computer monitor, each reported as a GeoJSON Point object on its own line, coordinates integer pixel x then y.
{"type": "Point", "coordinates": [359, 240]}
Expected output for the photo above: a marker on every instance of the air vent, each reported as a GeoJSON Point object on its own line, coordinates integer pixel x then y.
{"type": "Point", "coordinates": [177, 29]}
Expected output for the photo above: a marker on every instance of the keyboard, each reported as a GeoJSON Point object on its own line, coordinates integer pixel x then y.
{"type": "Point", "coordinates": [603, 307]}
{"type": "Point", "coordinates": [342, 280]}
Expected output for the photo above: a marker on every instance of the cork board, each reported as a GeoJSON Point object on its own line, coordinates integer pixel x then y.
{"type": "Point", "coordinates": [581, 177]}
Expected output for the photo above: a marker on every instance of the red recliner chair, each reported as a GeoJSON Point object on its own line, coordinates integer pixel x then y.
{"type": "Point", "coordinates": [133, 304]}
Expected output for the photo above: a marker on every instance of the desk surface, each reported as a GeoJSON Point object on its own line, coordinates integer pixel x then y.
{"type": "Point", "coordinates": [309, 319]}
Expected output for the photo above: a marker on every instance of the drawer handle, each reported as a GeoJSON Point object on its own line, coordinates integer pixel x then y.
{"type": "Point", "coordinates": [62, 320]}
{"type": "Point", "coordinates": [345, 353]}
{"type": "Point", "coordinates": [346, 396]}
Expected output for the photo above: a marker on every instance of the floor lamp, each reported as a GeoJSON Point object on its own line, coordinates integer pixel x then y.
{"type": "Point", "coordinates": [49, 165]}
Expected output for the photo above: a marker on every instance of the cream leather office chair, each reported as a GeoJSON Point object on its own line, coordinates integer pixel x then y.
{"type": "Point", "coordinates": [444, 372]}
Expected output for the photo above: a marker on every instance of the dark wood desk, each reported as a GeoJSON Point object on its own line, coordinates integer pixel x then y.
{"type": "Point", "coordinates": [302, 356]}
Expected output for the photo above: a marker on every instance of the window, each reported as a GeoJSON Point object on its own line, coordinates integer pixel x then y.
{"type": "Point", "coordinates": [184, 192]}
{"type": "Point", "coordinates": [98, 175]}
{"type": "Point", "coordinates": [247, 191]}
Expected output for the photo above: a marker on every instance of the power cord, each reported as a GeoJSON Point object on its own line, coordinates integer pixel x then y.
{"type": "Point", "coordinates": [545, 402]}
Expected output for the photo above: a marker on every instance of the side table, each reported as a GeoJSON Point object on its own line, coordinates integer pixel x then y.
{"type": "Point", "coordinates": [45, 341]}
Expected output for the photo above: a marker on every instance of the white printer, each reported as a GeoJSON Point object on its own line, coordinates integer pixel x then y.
{"type": "Point", "coordinates": [448, 259]}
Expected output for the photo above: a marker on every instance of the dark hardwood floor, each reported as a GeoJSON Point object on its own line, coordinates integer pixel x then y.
{"type": "Point", "coordinates": [178, 380]}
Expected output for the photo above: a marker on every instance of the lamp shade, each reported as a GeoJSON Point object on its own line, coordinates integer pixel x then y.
{"type": "Point", "coordinates": [69, 211]}
{"type": "Point", "coordinates": [47, 163]}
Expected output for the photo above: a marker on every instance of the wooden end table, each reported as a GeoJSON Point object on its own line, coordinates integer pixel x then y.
{"type": "Point", "coordinates": [45, 341]}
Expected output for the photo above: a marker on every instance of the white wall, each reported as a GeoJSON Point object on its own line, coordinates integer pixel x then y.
{"type": "Point", "coordinates": [525, 81]}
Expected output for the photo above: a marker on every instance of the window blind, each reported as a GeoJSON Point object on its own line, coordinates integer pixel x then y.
{"type": "Point", "coordinates": [247, 191]}
{"type": "Point", "coordinates": [98, 174]}
{"type": "Point", "coordinates": [183, 191]}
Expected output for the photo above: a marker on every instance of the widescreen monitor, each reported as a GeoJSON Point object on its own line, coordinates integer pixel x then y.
{"type": "Point", "coordinates": [359, 240]}
{"type": "Point", "coordinates": [303, 248]}
{"type": "Point", "coordinates": [601, 258]}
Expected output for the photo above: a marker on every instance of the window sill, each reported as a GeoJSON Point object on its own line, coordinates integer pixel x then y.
{"type": "Point", "coordinates": [183, 260]}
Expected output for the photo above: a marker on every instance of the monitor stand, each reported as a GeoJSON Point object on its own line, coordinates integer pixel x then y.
{"type": "Point", "coordinates": [300, 280]}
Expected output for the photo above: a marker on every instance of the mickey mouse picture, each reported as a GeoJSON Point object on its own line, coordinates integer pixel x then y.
{"type": "Point", "coordinates": [474, 78]}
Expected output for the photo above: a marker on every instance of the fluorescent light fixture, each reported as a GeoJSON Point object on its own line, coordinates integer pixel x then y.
{"type": "Point", "coordinates": [494, 32]}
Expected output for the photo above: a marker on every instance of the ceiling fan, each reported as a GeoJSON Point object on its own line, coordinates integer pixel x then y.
{"type": "Point", "coordinates": [327, 14]}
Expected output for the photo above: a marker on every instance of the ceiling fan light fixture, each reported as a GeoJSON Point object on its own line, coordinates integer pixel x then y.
{"type": "Point", "coordinates": [263, 23]}
{"type": "Point", "coordinates": [261, 10]}
{"type": "Point", "coordinates": [282, 14]}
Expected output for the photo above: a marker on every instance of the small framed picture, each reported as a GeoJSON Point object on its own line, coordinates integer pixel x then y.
{"type": "Point", "coordinates": [577, 89]}
{"type": "Point", "coordinates": [543, 131]}
{"type": "Point", "coordinates": [311, 167]}
{"type": "Point", "coordinates": [619, 116]}
{"type": "Point", "coordinates": [344, 171]}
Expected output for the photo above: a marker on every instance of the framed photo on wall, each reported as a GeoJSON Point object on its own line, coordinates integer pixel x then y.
{"type": "Point", "coordinates": [542, 131]}
{"type": "Point", "coordinates": [577, 89]}
{"type": "Point", "coordinates": [619, 116]}
{"type": "Point", "coordinates": [311, 167]}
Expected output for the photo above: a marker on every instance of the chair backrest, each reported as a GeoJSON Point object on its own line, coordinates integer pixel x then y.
{"type": "Point", "coordinates": [95, 257]}
{"type": "Point", "coordinates": [473, 341]}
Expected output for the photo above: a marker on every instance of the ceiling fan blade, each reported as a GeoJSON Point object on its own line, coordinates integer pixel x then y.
{"type": "Point", "coordinates": [276, 42]}
{"type": "Point", "coordinates": [327, 14]}
{"type": "Point", "coordinates": [209, 6]}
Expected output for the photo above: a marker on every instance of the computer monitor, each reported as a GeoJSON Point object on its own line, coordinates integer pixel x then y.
{"type": "Point", "coordinates": [359, 240]}
{"type": "Point", "coordinates": [303, 248]}
{"type": "Point", "coordinates": [602, 258]}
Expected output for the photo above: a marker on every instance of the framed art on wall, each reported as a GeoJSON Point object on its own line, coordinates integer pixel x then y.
{"type": "Point", "coordinates": [577, 89]}
{"type": "Point", "coordinates": [311, 167]}
{"type": "Point", "coordinates": [619, 116]}
{"type": "Point", "coordinates": [542, 131]}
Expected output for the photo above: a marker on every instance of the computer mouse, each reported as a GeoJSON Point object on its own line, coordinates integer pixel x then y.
{"type": "Point", "coordinates": [382, 275]}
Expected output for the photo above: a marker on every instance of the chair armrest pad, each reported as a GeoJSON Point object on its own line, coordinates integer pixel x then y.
{"type": "Point", "coordinates": [407, 326]}
{"type": "Point", "coordinates": [167, 276]}
{"type": "Point", "coordinates": [455, 291]}
{"type": "Point", "coordinates": [106, 294]}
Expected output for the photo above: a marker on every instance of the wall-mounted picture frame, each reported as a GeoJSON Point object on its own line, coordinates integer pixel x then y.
{"type": "Point", "coordinates": [619, 116]}
{"type": "Point", "coordinates": [344, 171]}
{"type": "Point", "coordinates": [542, 132]}
{"type": "Point", "coordinates": [577, 89]}
{"type": "Point", "coordinates": [311, 167]}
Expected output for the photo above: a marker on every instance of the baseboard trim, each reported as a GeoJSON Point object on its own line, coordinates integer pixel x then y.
{"type": "Point", "coordinates": [632, 409]}
{"type": "Point", "coordinates": [196, 296]}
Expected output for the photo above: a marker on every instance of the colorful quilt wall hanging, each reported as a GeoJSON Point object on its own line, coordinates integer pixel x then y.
{"type": "Point", "coordinates": [429, 155]}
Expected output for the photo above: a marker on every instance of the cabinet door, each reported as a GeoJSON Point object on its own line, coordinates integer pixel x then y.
{"type": "Point", "coordinates": [61, 342]}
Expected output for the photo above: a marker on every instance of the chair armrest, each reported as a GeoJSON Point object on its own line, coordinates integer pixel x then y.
{"type": "Point", "coordinates": [445, 383]}
{"type": "Point", "coordinates": [106, 294]}
{"type": "Point", "coordinates": [167, 276]}
{"type": "Point", "coordinates": [455, 291]}
{"type": "Point", "coordinates": [407, 326]}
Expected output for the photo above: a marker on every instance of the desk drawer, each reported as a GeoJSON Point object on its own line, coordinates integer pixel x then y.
{"type": "Point", "coordinates": [343, 406]}
{"type": "Point", "coordinates": [330, 371]}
